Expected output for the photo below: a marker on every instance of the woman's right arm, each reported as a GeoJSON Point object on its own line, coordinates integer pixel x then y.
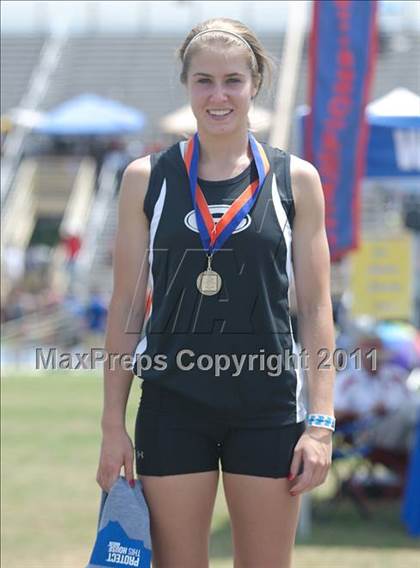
{"type": "Point", "coordinates": [124, 322]}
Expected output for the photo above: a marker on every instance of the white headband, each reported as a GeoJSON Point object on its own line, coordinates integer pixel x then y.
{"type": "Point", "coordinates": [225, 32]}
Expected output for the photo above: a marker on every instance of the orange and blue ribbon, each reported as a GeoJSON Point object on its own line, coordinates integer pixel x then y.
{"type": "Point", "coordinates": [213, 235]}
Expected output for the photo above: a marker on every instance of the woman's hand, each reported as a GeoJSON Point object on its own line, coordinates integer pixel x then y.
{"type": "Point", "coordinates": [116, 451]}
{"type": "Point", "coordinates": [314, 449]}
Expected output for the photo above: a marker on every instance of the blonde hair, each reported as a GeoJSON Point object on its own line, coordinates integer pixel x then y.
{"type": "Point", "coordinates": [260, 61]}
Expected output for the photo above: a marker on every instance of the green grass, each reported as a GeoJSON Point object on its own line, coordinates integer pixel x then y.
{"type": "Point", "coordinates": [50, 498]}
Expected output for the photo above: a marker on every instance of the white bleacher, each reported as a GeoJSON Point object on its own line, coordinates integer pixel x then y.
{"type": "Point", "coordinates": [142, 71]}
{"type": "Point", "coordinates": [138, 71]}
{"type": "Point", "coordinates": [19, 56]}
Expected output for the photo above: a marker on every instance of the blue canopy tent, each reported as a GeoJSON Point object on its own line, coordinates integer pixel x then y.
{"type": "Point", "coordinates": [91, 115]}
{"type": "Point", "coordinates": [394, 136]}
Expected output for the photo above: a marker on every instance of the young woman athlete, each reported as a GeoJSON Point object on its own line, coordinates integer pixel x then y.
{"type": "Point", "coordinates": [207, 231]}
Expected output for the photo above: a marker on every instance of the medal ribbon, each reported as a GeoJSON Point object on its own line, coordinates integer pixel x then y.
{"type": "Point", "coordinates": [213, 235]}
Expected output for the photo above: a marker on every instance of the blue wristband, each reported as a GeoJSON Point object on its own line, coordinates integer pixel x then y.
{"type": "Point", "coordinates": [321, 421]}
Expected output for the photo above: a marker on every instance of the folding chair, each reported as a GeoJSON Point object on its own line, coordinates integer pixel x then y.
{"type": "Point", "coordinates": [351, 443]}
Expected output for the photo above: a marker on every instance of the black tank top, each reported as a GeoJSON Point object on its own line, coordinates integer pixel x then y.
{"type": "Point", "coordinates": [246, 327]}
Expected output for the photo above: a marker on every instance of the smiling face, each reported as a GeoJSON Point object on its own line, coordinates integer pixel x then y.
{"type": "Point", "coordinates": [220, 89]}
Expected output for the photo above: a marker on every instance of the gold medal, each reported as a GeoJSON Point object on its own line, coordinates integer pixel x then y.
{"type": "Point", "coordinates": [212, 234]}
{"type": "Point", "coordinates": [209, 282]}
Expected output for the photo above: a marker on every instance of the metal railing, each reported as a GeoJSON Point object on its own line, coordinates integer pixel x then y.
{"type": "Point", "coordinates": [38, 85]}
{"type": "Point", "coordinates": [107, 185]}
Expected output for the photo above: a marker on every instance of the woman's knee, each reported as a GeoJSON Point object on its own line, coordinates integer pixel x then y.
{"type": "Point", "coordinates": [264, 519]}
{"type": "Point", "coordinates": [180, 509]}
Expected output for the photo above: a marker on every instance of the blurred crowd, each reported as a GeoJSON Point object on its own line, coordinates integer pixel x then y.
{"type": "Point", "coordinates": [378, 388]}
{"type": "Point", "coordinates": [88, 317]}
{"type": "Point", "coordinates": [376, 401]}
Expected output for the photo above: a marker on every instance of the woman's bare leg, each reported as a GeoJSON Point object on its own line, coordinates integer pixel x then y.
{"type": "Point", "coordinates": [181, 508]}
{"type": "Point", "coordinates": [264, 519]}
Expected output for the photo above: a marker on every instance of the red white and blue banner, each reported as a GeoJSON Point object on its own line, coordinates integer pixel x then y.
{"type": "Point", "coordinates": [341, 59]}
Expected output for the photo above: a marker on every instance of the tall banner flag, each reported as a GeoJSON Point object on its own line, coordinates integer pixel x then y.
{"type": "Point", "coordinates": [341, 59]}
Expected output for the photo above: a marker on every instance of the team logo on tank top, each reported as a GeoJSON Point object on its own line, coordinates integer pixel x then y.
{"type": "Point", "coordinates": [217, 212]}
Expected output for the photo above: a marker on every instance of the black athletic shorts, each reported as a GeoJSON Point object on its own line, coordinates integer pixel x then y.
{"type": "Point", "coordinates": [174, 435]}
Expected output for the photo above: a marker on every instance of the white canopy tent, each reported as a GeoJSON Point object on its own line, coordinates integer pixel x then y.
{"type": "Point", "coordinates": [399, 102]}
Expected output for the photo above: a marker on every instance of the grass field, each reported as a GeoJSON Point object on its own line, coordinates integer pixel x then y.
{"type": "Point", "coordinates": [50, 498]}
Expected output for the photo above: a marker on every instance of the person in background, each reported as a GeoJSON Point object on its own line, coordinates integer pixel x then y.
{"type": "Point", "coordinates": [377, 390]}
{"type": "Point", "coordinates": [95, 319]}
{"type": "Point", "coordinates": [72, 244]}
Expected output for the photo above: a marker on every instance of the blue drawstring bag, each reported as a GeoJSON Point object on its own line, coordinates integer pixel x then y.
{"type": "Point", "coordinates": [123, 532]}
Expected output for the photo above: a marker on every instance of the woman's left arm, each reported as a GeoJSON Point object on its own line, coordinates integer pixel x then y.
{"type": "Point", "coordinates": [311, 265]}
